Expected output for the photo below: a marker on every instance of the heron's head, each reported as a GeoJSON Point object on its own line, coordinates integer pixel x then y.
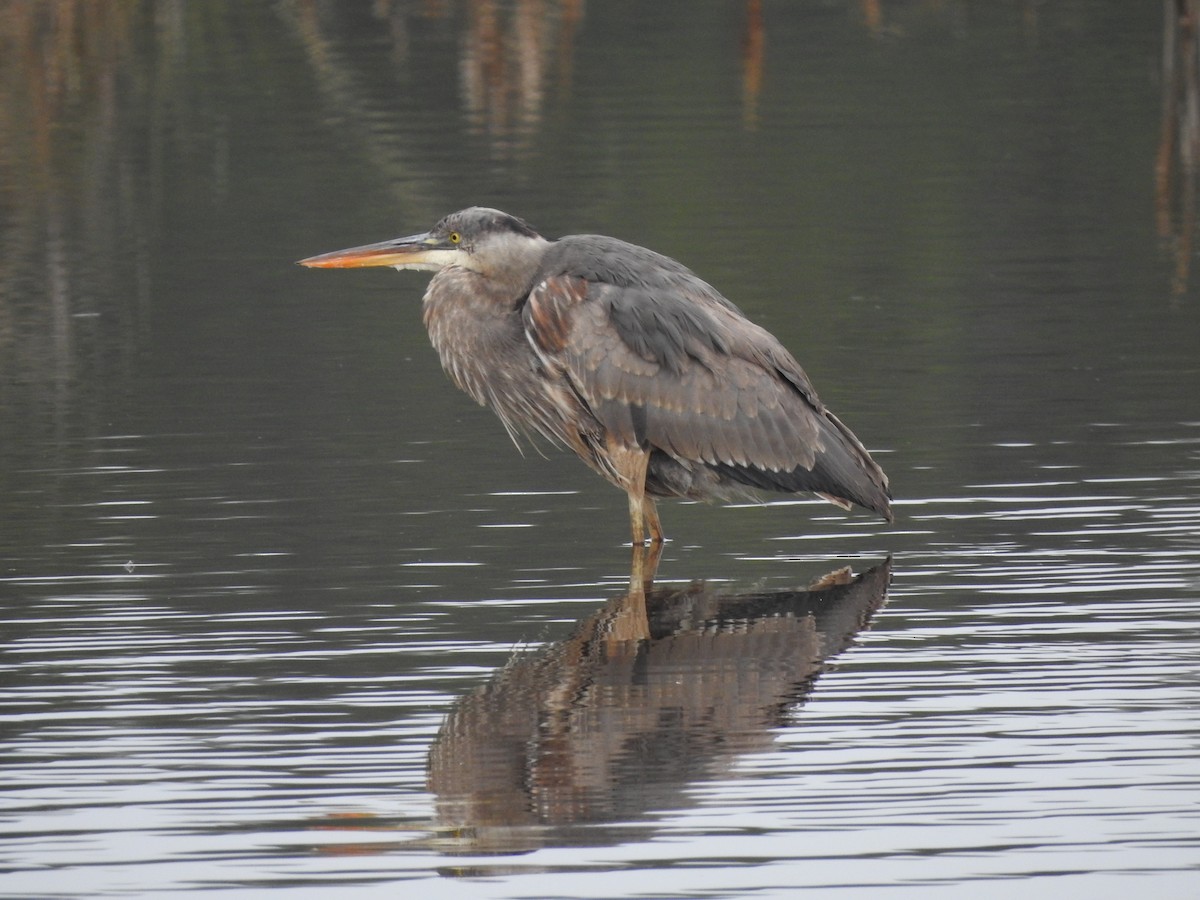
{"type": "Point", "coordinates": [484, 240]}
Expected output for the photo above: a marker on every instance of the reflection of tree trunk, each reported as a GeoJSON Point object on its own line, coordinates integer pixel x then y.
{"type": "Point", "coordinates": [1179, 141]}
{"type": "Point", "coordinates": [75, 211]}
{"type": "Point", "coordinates": [505, 63]}
{"type": "Point", "coordinates": [872, 13]}
{"type": "Point", "coordinates": [753, 41]}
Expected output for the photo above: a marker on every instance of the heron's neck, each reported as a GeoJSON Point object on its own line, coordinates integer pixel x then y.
{"type": "Point", "coordinates": [474, 324]}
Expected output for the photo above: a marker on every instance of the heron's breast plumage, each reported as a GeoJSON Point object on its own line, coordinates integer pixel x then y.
{"type": "Point", "coordinates": [484, 349]}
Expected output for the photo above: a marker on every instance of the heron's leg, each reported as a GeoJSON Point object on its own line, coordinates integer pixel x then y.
{"type": "Point", "coordinates": [653, 525]}
{"type": "Point", "coordinates": [636, 528]}
{"type": "Point", "coordinates": [630, 464]}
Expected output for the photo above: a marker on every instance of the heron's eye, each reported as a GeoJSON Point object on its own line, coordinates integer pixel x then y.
{"type": "Point", "coordinates": [455, 237]}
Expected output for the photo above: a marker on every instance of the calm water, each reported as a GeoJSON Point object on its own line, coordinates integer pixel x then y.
{"type": "Point", "coordinates": [282, 612]}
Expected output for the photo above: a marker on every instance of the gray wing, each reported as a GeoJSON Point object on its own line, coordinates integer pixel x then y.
{"type": "Point", "coordinates": [664, 361]}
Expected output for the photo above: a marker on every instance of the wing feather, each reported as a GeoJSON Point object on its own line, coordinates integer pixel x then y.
{"type": "Point", "coordinates": [665, 362]}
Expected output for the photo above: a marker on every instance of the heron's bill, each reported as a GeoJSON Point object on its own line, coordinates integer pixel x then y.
{"type": "Point", "coordinates": [421, 251]}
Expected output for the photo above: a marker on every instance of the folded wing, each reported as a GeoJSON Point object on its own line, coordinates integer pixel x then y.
{"type": "Point", "coordinates": [666, 363]}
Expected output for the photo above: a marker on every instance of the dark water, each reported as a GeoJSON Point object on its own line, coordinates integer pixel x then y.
{"type": "Point", "coordinates": [282, 610]}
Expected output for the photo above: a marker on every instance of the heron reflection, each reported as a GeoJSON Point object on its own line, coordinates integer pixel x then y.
{"type": "Point", "coordinates": [660, 689]}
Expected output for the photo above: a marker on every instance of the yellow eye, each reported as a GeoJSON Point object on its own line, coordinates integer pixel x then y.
{"type": "Point", "coordinates": [455, 237]}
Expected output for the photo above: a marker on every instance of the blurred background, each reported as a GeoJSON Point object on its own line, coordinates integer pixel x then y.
{"type": "Point", "coordinates": [254, 545]}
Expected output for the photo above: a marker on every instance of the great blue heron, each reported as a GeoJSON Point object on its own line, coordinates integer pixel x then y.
{"type": "Point", "coordinates": [628, 358]}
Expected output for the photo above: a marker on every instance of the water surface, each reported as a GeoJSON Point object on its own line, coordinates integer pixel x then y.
{"type": "Point", "coordinates": [282, 610]}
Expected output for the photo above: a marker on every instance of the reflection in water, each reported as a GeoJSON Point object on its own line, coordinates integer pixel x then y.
{"type": "Point", "coordinates": [508, 56]}
{"type": "Point", "coordinates": [290, 637]}
{"type": "Point", "coordinates": [753, 41]}
{"type": "Point", "coordinates": [100, 102]}
{"type": "Point", "coordinates": [1179, 140]}
{"type": "Point", "coordinates": [655, 691]}
{"type": "Point", "coordinates": [71, 222]}
{"type": "Point", "coordinates": [514, 58]}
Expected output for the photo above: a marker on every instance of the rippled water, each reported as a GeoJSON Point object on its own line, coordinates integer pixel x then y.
{"type": "Point", "coordinates": [1024, 707]}
{"type": "Point", "coordinates": [281, 611]}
